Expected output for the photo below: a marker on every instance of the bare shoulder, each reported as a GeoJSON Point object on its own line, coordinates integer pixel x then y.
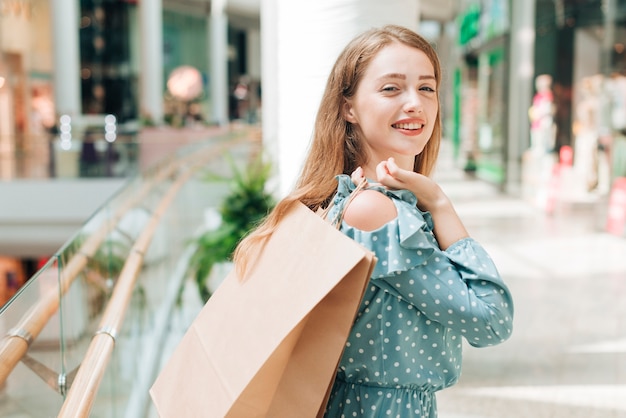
{"type": "Point", "coordinates": [369, 210]}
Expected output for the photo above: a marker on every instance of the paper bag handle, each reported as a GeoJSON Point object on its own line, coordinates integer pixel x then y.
{"type": "Point", "coordinates": [339, 217]}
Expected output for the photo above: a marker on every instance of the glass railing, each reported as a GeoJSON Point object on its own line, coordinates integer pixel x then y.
{"type": "Point", "coordinates": [121, 278]}
{"type": "Point", "coordinates": [94, 154]}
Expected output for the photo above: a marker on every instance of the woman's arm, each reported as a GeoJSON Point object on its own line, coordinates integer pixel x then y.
{"type": "Point", "coordinates": [459, 287]}
{"type": "Point", "coordinates": [448, 227]}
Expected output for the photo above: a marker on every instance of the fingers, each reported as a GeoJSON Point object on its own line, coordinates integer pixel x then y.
{"type": "Point", "coordinates": [382, 171]}
{"type": "Point", "coordinates": [389, 174]}
{"type": "Point", "coordinates": [357, 176]}
{"type": "Point", "coordinates": [392, 167]}
{"type": "Point", "coordinates": [388, 167]}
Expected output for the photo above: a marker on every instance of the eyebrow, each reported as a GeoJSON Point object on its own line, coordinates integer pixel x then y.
{"type": "Point", "coordinates": [403, 77]}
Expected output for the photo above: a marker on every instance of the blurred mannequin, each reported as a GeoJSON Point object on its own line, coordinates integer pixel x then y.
{"type": "Point", "coordinates": [587, 130]}
{"type": "Point", "coordinates": [542, 127]}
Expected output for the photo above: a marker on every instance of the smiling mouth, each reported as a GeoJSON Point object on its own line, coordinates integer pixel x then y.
{"type": "Point", "coordinates": [407, 126]}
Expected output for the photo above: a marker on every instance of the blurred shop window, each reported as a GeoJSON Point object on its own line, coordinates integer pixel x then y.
{"type": "Point", "coordinates": [11, 278]}
{"type": "Point", "coordinates": [589, 155]}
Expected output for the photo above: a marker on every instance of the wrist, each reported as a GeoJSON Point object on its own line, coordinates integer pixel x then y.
{"type": "Point", "coordinates": [435, 200]}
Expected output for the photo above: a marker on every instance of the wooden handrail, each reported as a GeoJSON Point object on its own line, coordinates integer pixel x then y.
{"type": "Point", "coordinates": [15, 344]}
{"type": "Point", "coordinates": [82, 393]}
{"type": "Point", "coordinates": [84, 388]}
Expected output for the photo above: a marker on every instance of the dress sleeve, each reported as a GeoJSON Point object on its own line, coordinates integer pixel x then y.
{"type": "Point", "coordinates": [459, 288]}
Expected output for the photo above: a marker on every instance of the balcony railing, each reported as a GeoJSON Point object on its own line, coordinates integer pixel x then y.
{"type": "Point", "coordinates": [86, 334]}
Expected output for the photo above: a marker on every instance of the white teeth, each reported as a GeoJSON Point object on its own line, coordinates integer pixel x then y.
{"type": "Point", "coordinates": [407, 126]}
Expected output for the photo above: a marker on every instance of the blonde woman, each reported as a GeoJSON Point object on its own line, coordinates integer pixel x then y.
{"type": "Point", "coordinates": [433, 285]}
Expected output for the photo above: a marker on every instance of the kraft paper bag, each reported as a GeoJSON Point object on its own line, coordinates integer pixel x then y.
{"type": "Point", "coordinates": [268, 345]}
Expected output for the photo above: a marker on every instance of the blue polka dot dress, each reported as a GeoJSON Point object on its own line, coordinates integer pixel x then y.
{"type": "Point", "coordinates": [406, 341]}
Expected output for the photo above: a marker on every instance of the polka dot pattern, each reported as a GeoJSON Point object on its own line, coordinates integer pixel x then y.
{"type": "Point", "coordinates": [406, 341]}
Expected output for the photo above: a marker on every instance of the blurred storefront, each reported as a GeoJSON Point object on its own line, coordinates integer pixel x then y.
{"type": "Point", "coordinates": [571, 111]}
{"type": "Point", "coordinates": [482, 84]}
{"type": "Point", "coordinates": [26, 84]}
{"type": "Point", "coordinates": [41, 69]}
{"type": "Point", "coordinates": [577, 66]}
{"type": "Point", "coordinates": [108, 78]}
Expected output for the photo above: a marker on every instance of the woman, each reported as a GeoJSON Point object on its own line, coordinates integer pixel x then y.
{"type": "Point", "coordinates": [379, 120]}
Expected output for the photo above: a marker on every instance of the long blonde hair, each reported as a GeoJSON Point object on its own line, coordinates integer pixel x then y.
{"type": "Point", "coordinates": [336, 147]}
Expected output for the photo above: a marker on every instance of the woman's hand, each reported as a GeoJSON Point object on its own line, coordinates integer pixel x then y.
{"type": "Point", "coordinates": [429, 194]}
{"type": "Point", "coordinates": [390, 175]}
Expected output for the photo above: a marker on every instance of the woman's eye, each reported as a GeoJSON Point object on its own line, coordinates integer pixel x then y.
{"type": "Point", "coordinates": [389, 88]}
{"type": "Point", "coordinates": [427, 88]}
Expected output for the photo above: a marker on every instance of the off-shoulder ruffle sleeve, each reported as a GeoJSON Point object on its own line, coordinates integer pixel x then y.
{"type": "Point", "coordinates": [401, 244]}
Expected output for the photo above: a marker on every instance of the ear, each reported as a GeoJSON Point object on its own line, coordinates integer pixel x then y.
{"type": "Point", "coordinates": [348, 112]}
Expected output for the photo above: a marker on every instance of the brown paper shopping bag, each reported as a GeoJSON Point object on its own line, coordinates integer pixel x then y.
{"type": "Point", "coordinates": [269, 345]}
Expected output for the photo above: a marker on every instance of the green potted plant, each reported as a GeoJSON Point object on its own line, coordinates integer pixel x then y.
{"type": "Point", "coordinates": [246, 204]}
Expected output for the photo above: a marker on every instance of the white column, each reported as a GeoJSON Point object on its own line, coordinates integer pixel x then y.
{"type": "Point", "coordinates": [218, 77]}
{"type": "Point", "coordinates": [65, 25]}
{"type": "Point", "coordinates": [309, 36]}
{"type": "Point", "coordinates": [522, 67]}
{"type": "Point", "coordinates": [151, 78]}
{"type": "Point", "coordinates": [269, 85]}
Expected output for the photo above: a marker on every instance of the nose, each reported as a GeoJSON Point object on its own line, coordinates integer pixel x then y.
{"type": "Point", "coordinates": [413, 102]}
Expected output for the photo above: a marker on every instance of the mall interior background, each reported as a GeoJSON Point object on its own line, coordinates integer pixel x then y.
{"type": "Point", "coordinates": [528, 85]}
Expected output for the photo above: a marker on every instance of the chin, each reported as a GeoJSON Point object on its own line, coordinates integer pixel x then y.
{"type": "Point", "coordinates": [419, 150]}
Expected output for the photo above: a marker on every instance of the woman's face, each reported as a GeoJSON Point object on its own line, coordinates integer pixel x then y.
{"type": "Point", "coordinates": [395, 105]}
